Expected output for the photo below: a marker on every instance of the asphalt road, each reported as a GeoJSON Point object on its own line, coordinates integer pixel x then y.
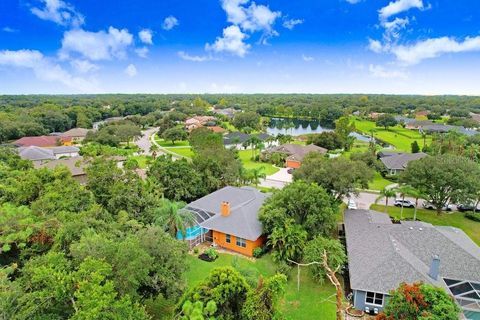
{"type": "Point", "coordinates": [144, 142]}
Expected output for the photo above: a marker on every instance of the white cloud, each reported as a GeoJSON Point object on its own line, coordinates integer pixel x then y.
{"type": "Point", "coordinates": [307, 58]}
{"type": "Point", "coordinates": [169, 23]}
{"type": "Point", "coordinates": [232, 42]}
{"type": "Point", "coordinates": [290, 24]}
{"type": "Point", "coordinates": [432, 48]}
{"type": "Point", "coordinates": [392, 28]}
{"type": "Point", "coordinates": [146, 36]}
{"type": "Point", "coordinates": [353, 1]}
{"type": "Point", "coordinates": [142, 52]}
{"type": "Point", "coordinates": [84, 66]}
{"type": "Point", "coordinates": [398, 6]}
{"type": "Point", "coordinates": [59, 12]}
{"type": "Point", "coordinates": [131, 70]}
{"type": "Point", "coordinates": [380, 72]}
{"type": "Point", "coordinates": [186, 56]}
{"type": "Point", "coordinates": [9, 30]}
{"type": "Point", "coordinates": [45, 69]}
{"type": "Point", "coordinates": [375, 46]}
{"type": "Point", "coordinates": [99, 45]}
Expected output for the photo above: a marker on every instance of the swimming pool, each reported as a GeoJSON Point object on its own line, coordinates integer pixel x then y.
{"type": "Point", "coordinates": [192, 233]}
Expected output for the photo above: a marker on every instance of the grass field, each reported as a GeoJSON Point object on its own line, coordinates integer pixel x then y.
{"type": "Point", "coordinates": [164, 143]}
{"type": "Point", "coordinates": [248, 163]}
{"type": "Point", "coordinates": [397, 136]}
{"type": "Point", "coordinates": [378, 182]}
{"type": "Point", "coordinates": [143, 161]}
{"type": "Point", "coordinates": [183, 151]}
{"type": "Point", "coordinates": [307, 304]}
{"type": "Point", "coordinates": [455, 219]}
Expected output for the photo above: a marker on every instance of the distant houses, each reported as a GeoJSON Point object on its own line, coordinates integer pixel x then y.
{"type": "Point", "coordinates": [383, 254]}
{"type": "Point", "coordinates": [76, 134]}
{"type": "Point", "coordinates": [237, 139]}
{"type": "Point", "coordinates": [76, 166]}
{"type": "Point", "coordinates": [43, 141]}
{"type": "Point", "coordinates": [294, 153]}
{"type": "Point", "coordinates": [229, 219]}
{"type": "Point", "coordinates": [198, 122]}
{"type": "Point", "coordinates": [37, 154]}
{"type": "Point", "coordinates": [228, 112]}
{"type": "Point", "coordinates": [396, 162]}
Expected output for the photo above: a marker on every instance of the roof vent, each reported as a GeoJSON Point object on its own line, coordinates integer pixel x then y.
{"type": "Point", "coordinates": [420, 229]}
{"type": "Point", "coordinates": [434, 267]}
{"type": "Point", "coordinates": [411, 228]}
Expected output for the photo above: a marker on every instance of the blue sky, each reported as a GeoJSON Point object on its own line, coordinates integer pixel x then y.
{"type": "Point", "coordinates": [240, 46]}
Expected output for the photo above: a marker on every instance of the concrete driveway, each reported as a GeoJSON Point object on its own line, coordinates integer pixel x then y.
{"type": "Point", "coordinates": [277, 180]}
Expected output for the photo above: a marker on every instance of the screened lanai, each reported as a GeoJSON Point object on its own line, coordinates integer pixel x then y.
{"type": "Point", "coordinates": [467, 295]}
{"type": "Point", "coordinates": [195, 234]}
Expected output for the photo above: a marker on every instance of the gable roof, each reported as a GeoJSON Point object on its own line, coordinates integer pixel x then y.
{"type": "Point", "coordinates": [381, 255]}
{"type": "Point", "coordinates": [76, 132]}
{"type": "Point", "coordinates": [400, 161]}
{"type": "Point", "coordinates": [76, 165]}
{"type": "Point", "coordinates": [238, 137]}
{"type": "Point", "coordinates": [245, 203]}
{"type": "Point", "coordinates": [35, 153]}
{"type": "Point", "coordinates": [297, 152]}
{"type": "Point", "coordinates": [41, 141]}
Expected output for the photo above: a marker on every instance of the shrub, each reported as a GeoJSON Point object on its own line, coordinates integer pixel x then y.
{"type": "Point", "coordinates": [257, 252]}
{"type": "Point", "coordinates": [211, 253]}
{"type": "Point", "coordinates": [195, 250]}
{"type": "Point", "coordinates": [473, 216]}
{"type": "Point", "coordinates": [284, 268]}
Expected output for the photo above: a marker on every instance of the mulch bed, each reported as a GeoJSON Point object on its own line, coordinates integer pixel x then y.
{"type": "Point", "coordinates": [205, 257]}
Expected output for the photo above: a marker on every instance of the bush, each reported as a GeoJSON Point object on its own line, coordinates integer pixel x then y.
{"type": "Point", "coordinates": [284, 268]}
{"type": "Point", "coordinates": [195, 250]}
{"type": "Point", "coordinates": [257, 252]}
{"type": "Point", "coordinates": [211, 253]}
{"type": "Point", "coordinates": [473, 216]}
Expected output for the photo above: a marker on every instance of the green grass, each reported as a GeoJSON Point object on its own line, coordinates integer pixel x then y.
{"type": "Point", "coordinates": [306, 304]}
{"type": "Point", "coordinates": [164, 143]}
{"type": "Point", "coordinates": [142, 160]}
{"type": "Point", "coordinates": [358, 147]}
{"type": "Point", "coordinates": [248, 163]}
{"type": "Point", "coordinates": [455, 219]}
{"type": "Point", "coordinates": [183, 151]}
{"type": "Point", "coordinates": [397, 136]}
{"type": "Point", "coordinates": [378, 182]}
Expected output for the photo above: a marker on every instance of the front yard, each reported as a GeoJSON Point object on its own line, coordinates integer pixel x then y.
{"type": "Point", "coordinates": [307, 304]}
{"type": "Point", "coordinates": [248, 163]}
{"type": "Point", "coordinates": [454, 219]}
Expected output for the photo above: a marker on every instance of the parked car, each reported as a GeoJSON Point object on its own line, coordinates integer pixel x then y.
{"type": "Point", "coordinates": [466, 207]}
{"type": "Point", "coordinates": [405, 203]}
{"type": "Point", "coordinates": [352, 205]}
{"type": "Point", "coordinates": [428, 205]}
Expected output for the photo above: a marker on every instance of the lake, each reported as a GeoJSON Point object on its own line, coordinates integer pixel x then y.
{"type": "Point", "coordinates": [294, 127]}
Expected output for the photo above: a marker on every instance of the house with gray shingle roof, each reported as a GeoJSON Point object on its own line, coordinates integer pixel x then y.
{"type": "Point", "coordinates": [229, 218]}
{"type": "Point", "coordinates": [383, 254]}
{"type": "Point", "coordinates": [37, 154]}
{"type": "Point", "coordinates": [396, 162]}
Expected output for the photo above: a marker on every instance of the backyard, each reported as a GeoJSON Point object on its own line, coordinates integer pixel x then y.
{"type": "Point", "coordinates": [397, 136]}
{"type": "Point", "coordinates": [455, 219]}
{"type": "Point", "coordinates": [248, 163]}
{"type": "Point", "coordinates": [312, 296]}
{"type": "Point", "coordinates": [378, 183]}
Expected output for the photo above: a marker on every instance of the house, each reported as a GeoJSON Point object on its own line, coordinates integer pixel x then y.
{"type": "Point", "coordinates": [217, 129]}
{"type": "Point", "coordinates": [237, 139]}
{"type": "Point", "coordinates": [396, 162]}
{"type": "Point", "coordinates": [382, 255]}
{"type": "Point", "coordinates": [422, 114]}
{"type": "Point", "coordinates": [38, 154]}
{"type": "Point", "coordinates": [443, 128]}
{"type": "Point", "coordinates": [295, 153]}
{"type": "Point", "coordinates": [77, 134]}
{"type": "Point", "coordinates": [197, 122]}
{"type": "Point", "coordinates": [43, 141]}
{"type": "Point", "coordinates": [475, 116]}
{"type": "Point", "coordinates": [228, 112]}
{"type": "Point", "coordinates": [417, 124]}
{"type": "Point", "coordinates": [229, 218]}
{"type": "Point", "coordinates": [375, 115]}
{"type": "Point", "coordinates": [76, 166]}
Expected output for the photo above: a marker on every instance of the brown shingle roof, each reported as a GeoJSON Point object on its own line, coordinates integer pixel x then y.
{"type": "Point", "coordinates": [296, 151]}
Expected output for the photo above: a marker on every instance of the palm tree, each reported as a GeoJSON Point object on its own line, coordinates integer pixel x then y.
{"type": "Point", "coordinates": [257, 174]}
{"type": "Point", "coordinates": [386, 193]}
{"type": "Point", "coordinates": [173, 219]}
{"type": "Point", "coordinates": [417, 194]}
{"type": "Point", "coordinates": [404, 190]}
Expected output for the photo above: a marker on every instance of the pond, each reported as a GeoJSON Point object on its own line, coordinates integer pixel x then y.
{"type": "Point", "coordinates": [294, 127]}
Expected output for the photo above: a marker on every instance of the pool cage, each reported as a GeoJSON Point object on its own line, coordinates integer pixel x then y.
{"type": "Point", "coordinates": [195, 234]}
{"type": "Point", "coordinates": [467, 295]}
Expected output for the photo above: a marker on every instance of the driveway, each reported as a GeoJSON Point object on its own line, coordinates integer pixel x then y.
{"type": "Point", "coordinates": [144, 141]}
{"type": "Point", "coordinates": [277, 180]}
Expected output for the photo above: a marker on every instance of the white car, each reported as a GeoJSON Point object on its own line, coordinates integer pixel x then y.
{"type": "Point", "coordinates": [351, 205]}
{"type": "Point", "coordinates": [404, 203]}
{"type": "Point", "coordinates": [430, 206]}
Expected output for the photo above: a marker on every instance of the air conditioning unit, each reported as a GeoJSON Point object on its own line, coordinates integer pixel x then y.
{"type": "Point", "coordinates": [367, 310]}
{"type": "Point", "coordinates": [375, 310]}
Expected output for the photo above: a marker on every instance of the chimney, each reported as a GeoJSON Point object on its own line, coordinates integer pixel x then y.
{"type": "Point", "coordinates": [434, 267]}
{"type": "Point", "coordinates": [225, 209]}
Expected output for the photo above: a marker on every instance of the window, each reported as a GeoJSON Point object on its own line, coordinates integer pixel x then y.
{"type": "Point", "coordinates": [374, 298]}
{"type": "Point", "coordinates": [241, 242]}
{"type": "Point", "coordinates": [228, 238]}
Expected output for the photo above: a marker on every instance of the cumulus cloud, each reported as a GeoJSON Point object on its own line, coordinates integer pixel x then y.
{"type": "Point", "coordinates": [307, 58]}
{"type": "Point", "coordinates": [431, 48]}
{"type": "Point", "coordinates": [169, 23]}
{"type": "Point", "coordinates": [381, 72]}
{"type": "Point", "coordinates": [101, 45]}
{"type": "Point", "coordinates": [45, 69]}
{"type": "Point", "coordinates": [232, 42]}
{"type": "Point", "coordinates": [146, 36]}
{"type": "Point", "coordinates": [83, 66]}
{"type": "Point", "coordinates": [398, 6]}
{"type": "Point", "coordinates": [291, 23]}
{"type": "Point", "coordinates": [142, 52]}
{"type": "Point", "coordinates": [187, 57]}
{"type": "Point", "coordinates": [60, 12]}
{"type": "Point", "coordinates": [131, 70]}
{"type": "Point", "coordinates": [375, 45]}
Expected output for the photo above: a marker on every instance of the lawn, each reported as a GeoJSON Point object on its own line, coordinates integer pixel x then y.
{"type": "Point", "coordinates": [142, 160]}
{"type": "Point", "coordinates": [397, 136]}
{"type": "Point", "coordinates": [358, 147]}
{"type": "Point", "coordinates": [183, 151]}
{"type": "Point", "coordinates": [306, 304]}
{"type": "Point", "coordinates": [455, 219]}
{"type": "Point", "coordinates": [164, 143]}
{"type": "Point", "coordinates": [378, 182]}
{"type": "Point", "coordinates": [248, 163]}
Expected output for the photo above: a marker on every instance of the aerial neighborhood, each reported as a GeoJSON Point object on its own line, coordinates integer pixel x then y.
{"type": "Point", "coordinates": [350, 211]}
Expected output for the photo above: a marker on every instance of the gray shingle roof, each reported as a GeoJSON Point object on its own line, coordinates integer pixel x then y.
{"type": "Point", "coordinates": [240, 137]}
{"type": "Point", "coordinates": [400, 161]}
{"type": "Point", "coordinates": [75, 165]}
{"type": "Point", "coordinates": [35, 153]}
{"type": "Point", "coordinates": [381, 255]}
{"type": "Point", "coordinates": [296, 151]}
{"type": "Point", "coordinates": [245, 204]}
{"type": "Point", "coordinates": [76, 132]}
